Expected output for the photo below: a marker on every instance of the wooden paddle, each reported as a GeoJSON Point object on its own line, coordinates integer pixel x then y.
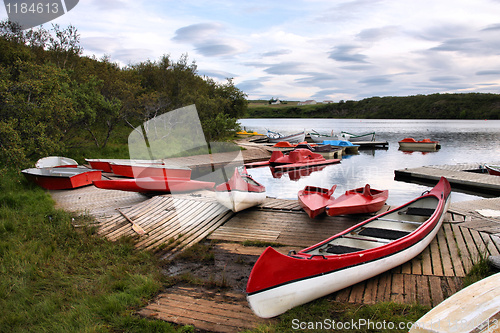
{"type": "Point", "coordinates": [137, 228]}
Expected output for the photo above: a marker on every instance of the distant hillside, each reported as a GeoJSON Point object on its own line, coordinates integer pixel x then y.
{"type": "Point", "coordinates": [435, 106]}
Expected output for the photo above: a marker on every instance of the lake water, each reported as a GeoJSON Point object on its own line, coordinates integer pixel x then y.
{"type": "Point", "coordinates": [462, 141]}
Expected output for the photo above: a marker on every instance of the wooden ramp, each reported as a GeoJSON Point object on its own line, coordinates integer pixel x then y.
{"type": "Point", "coordinates": [204, 309]}
{"type": "Point", "coordinates": [171, 222]}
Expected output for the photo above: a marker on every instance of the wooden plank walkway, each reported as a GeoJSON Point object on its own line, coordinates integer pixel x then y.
{"type": "Point", "coordinates": [171, 222]}
{"type": "Point", "coordinates": [459, 176]}
{"type": "Point", "coordinates": [204, 309]}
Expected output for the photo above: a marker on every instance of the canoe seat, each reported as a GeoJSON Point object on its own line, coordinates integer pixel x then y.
{"type": "Point", "coordinates": [340, 249]}
{"type": "Point", "coordinates": [419, 211]}
{"type": "Point", "coordinates": [400, 221]}
{"type": "Point", "coordinates": [383, 233]}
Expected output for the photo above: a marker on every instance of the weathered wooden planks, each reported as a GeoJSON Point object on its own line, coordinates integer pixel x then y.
{"type": "Point", "coordinates": [207, 310]}
{"type": "Point", "coordinates": [171, 223]}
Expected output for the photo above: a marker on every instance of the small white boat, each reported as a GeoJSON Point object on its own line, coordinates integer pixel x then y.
{"type": "Point", "coordinates": [275, 137]}
{"type": "Point", "coordinates": [475, 308]}
{"type": "Point", "coordinates": [56, 162]}
{"type": "Point", "coordinates": [319, 138]}
{"type": "Point", "coordinates": [240, 192]}
{"type": "Point", "coordinates": [358, 137]}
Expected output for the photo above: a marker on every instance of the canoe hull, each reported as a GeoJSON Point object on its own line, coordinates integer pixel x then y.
{"type": "Point", "coordinates": [62, 178]}
{"type": "Point", "coordinates": [239, 200]}
{"type": "Point", "coordinates": [154, 185]}
{"type": "Point", "coordinates": [276, 301]}
{"type": "Point", "coordinates": [152, 170]}
{"type": "Point", "coordinates": [280, 282]}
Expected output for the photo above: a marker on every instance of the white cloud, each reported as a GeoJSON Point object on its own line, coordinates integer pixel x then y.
{"type": "Point", "coordinates": [301, 49]}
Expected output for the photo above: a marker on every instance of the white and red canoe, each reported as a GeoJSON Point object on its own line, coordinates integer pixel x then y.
{"type": "Point", "coordinates": [280, 282]}
{"type": "Point", "coordinates": [313, 199]}
{"type": "Point", "coordinates": [240, 192]}
{"type": "Point", "coordinates": [62, 178]}
{"type": "Point", "coordinates": [154, 185]}
{"type": "Point", "coordinates": [363, 200]}
{"type": "Point", "coordinates": [493, 169]}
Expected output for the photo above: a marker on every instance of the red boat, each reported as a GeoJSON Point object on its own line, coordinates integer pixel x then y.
{"type": "Point", "coordinates": [137, 170]}
{"type": "Point", "coordinates": [298, 158]}
{"type": "Point", "coordinates": [280, 282]}
{"type": "Point", "coordinates": [240, 192]}
{"type": "Point", "coordinates": [62, 178]}
{"type": "Point", "coordinates": [411, 143]}
{"type": "Point", "coordinates": [154, 185]}
{"type": "Point", "coordinates": [493, 169]}
{"type": "Point", "coordinates": [363, 200]}
{"type": "Point", "coordinates": [314, 199]}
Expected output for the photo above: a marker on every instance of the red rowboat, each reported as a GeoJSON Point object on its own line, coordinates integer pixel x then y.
{"type": "Point", "coordinates": [280, 282]}
{"type": "Point", "coordinates": [137, 170]}
{"type": "Point", "coordinates": [314, 199]}
{"type": "Point", "coordinates": [62, 178]}
{"type": "Point", "coordinates": [240, 192]}
{"type": "Point", "coordinates": [154, 185]}
{"type": "Point", "coordinates": [361, 200]}
{"type": "Point", "coordinates": [493, 169]}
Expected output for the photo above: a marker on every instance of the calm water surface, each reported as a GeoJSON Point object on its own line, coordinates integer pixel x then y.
{"type": "Point", "coordinates": [462, 141]}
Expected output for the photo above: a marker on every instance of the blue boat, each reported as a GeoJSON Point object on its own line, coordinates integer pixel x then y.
{"type": "Point", "coordinates": [347, 145]}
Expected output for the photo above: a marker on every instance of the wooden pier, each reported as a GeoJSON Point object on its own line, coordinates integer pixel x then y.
{"type": "Point", "coordinates": [461, 176]}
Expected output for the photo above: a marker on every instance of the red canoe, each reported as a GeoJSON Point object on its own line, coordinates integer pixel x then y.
{"type": "Point", "coordinates": [280, 282]}
{"type": "Point", "coordinates": [240, 192]}
{"type": "Point", "coordinates": [361, 200]}
{"type": "Point", "coordinates": [62, 178]}
{"type": "Point", "coordinates": [314, 199]}
{"type": "Point", "coordinates": [154, 185]}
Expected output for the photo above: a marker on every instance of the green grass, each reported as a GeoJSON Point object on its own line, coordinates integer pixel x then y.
{"type": "Point", "coordinates": [325, 315]}
{"type": "Point", "coordinates": [55, 278]}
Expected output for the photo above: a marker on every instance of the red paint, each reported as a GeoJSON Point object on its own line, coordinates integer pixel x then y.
{"type": "Point", "coordinates": [363, 200]}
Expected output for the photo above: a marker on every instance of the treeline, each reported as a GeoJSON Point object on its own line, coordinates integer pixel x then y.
{"type": "Point", "coordinates": [53, 99]}
{"type": "Point", "coordinates": [435, 106]}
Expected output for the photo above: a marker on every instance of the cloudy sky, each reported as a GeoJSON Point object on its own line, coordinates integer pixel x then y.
{"type": "Point", "coordinates": [306, 49]}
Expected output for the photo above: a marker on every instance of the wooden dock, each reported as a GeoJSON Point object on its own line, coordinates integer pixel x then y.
{"type": "Point", "coordinates": [461, 176]}
{"type": "Point", "coordinates": [175, 222]}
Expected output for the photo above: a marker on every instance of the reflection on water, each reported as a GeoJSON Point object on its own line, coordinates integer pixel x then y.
{"type": "Point", "coordinates": [462, 141]}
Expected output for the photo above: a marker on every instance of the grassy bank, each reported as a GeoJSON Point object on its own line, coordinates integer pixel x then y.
{"type": "Point", "coordinates": [55, 278]}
